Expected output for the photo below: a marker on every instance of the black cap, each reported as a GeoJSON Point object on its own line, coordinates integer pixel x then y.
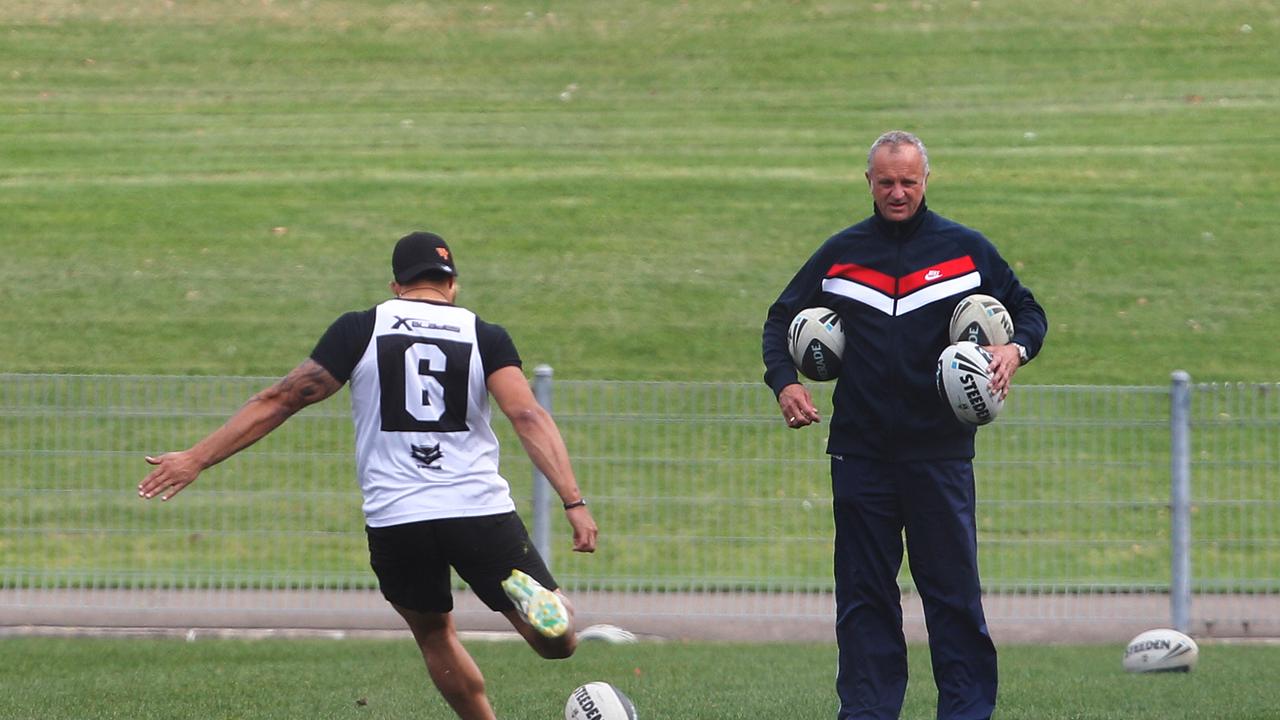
{"type": "Point", "coordinates": [418, 253]}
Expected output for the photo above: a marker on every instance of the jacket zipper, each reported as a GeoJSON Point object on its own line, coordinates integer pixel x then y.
{"type": "Point", "coordinates": [896, 372]}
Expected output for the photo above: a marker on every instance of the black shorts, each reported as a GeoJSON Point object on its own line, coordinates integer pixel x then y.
{"type": "Point", "coordinates": [412, 561]}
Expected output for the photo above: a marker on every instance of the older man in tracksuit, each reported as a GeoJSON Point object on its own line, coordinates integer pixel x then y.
{"type": "Point", "coordinates": [900, 460]}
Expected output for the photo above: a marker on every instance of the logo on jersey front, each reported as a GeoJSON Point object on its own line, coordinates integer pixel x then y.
{"type": "Point", "coordinates": [427, 456]}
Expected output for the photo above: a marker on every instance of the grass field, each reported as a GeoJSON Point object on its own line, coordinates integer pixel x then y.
{"type": "Point", "coordinates": [165, 679]}
{"type": "Point", "coordinates": [201, 187]}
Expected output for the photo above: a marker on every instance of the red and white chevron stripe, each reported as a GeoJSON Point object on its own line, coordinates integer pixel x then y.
{"type": "Point", "coordinates": [900, 295]}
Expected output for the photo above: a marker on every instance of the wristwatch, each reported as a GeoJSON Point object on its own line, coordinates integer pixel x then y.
{"type": "Point", "coordinates": [1022, 353]}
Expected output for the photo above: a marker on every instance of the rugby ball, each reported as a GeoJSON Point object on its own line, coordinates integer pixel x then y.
{"type": "Point", "coordinates": [816, 342]}
{"type": "Point", "coordinates": [1161, 650]}
{"type": "Point", "coordinates": [963, 383]}
{"type": "Point", "coordinates": [981, 319]}
{"type": "Point", "coordinates": [599, 701]}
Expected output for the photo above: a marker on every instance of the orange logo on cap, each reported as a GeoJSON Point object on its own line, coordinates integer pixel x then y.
{"type": "Point", "coordinates": [443, 253]}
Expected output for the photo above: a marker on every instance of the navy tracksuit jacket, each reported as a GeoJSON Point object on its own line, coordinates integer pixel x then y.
{"type": "Point", "coordinates": [900, 458]}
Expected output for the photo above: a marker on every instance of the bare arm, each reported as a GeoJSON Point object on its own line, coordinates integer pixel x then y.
{"type": "Point", "coordinates": [307, 384]}
{"type": "Point", "coordinates": [542, 441]}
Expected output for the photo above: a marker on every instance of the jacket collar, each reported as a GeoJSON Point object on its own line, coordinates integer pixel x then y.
{"type": "Point", "coordinates": [904, 229]}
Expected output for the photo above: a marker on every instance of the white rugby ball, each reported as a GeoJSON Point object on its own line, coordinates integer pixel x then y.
{"type": "Point", "coordinates": [816, 342]}
{"type": "Point", "coordinates": [963, 383]}
{"type": "Point", "coordinates": [1161, 650]}
{"type": "Point", "coordinates": [599, 701]}
{"type": "Point", "coordinates": [981, 319]}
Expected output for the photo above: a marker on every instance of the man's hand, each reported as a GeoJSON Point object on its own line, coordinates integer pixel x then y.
{"type": "Point", "coordinates": [1005, 361]}
{"type": "Point", "coordinates": [584, 529]}
{"type": "Point", "coordinates": [306, 384]}
{"type": "Point", "coordinates": [797, 406]}
{"type": "Point", "coordinates": [173, 472]}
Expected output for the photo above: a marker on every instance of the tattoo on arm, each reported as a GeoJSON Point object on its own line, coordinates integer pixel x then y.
{"type": "Point", "coordinates": [306, 384]}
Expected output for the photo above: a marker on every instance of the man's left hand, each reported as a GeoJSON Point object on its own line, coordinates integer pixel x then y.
{"type": "Point", "coordinates": [1005, 361]}
{"type": "Point", "coordinates": [584, 529]}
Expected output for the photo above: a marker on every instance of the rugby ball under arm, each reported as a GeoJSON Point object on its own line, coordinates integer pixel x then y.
{"type": "Point", "coordinates": [816, 343]}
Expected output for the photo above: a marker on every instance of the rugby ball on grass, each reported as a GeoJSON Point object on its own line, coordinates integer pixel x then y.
{"type": "Point", "coordinates": [963, 383]}
{"type": "Point", "coordinates": [816, 342]}
{"type": "Point", "coordinates": [981, 319]}
{"type": "Point", "coordinates": [1161, 650]}
{"type": "Point", "coordinates": [599, 701]}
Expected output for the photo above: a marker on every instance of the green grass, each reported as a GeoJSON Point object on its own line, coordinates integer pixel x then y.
{"type": "Point", "coordinates": [161, 678]}
{"type": "Point", "coordinates": [201, 187]}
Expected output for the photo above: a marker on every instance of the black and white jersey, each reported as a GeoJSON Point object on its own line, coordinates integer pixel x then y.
{"type": "Point", "coordinates": [424, 446]}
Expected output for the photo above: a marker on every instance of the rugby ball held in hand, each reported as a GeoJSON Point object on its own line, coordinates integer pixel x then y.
{"type": "Point", "coordinates": [816, 342]}
{"type": "Point", "coordinates": [963, 383]}
{"type": "Point", "coordinates": [599, 701]}
{"type": "Point", "coordinates": [1161, 650]}
{"type": "Point", "coordinates": [981, 319]}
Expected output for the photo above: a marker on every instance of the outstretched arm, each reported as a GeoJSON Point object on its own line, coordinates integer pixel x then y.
{"type": "Point", "coordinates": [307, 384]}
{"type": "Point", "coordinates": [542, 441]}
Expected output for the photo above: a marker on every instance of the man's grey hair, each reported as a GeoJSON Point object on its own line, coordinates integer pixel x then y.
{"type": "Point", "coordinates": [894, 138]}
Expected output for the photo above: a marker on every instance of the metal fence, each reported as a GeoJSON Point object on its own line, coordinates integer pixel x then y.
{"type": "Point", "coordinates": [709, 508]}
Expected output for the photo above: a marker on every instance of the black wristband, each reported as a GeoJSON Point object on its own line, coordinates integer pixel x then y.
{"type": "Point", "coordinates": [580, 502]}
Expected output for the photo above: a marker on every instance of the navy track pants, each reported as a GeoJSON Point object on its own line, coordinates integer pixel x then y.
{"type": "Point", "coordinates": [933, 501]}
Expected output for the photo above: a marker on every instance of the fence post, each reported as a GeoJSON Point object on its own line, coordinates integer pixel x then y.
{"type": "Point", "coordinates": [1180, 501]}
{"type": "Point", "coordinates": [541, 487]}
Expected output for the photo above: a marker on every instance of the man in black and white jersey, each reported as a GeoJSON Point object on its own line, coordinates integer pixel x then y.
{"type": "Point", "coordinates": [421, 371]}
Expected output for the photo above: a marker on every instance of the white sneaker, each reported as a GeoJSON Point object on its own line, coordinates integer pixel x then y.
{"type": "Point", "coordinates": [608, 633]}
{"type": "Point", "coordinates": [539, 606]}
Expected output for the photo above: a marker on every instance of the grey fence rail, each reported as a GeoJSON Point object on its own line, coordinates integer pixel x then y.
{"type": "Point", "coordinates": [1145, 506]}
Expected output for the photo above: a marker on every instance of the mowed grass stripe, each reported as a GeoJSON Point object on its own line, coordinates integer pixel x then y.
{"type": "Point", "coordinates": [170, 679]}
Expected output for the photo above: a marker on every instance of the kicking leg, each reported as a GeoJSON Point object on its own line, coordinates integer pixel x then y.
{"type": "Point", "coordinates": [542, 617]}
